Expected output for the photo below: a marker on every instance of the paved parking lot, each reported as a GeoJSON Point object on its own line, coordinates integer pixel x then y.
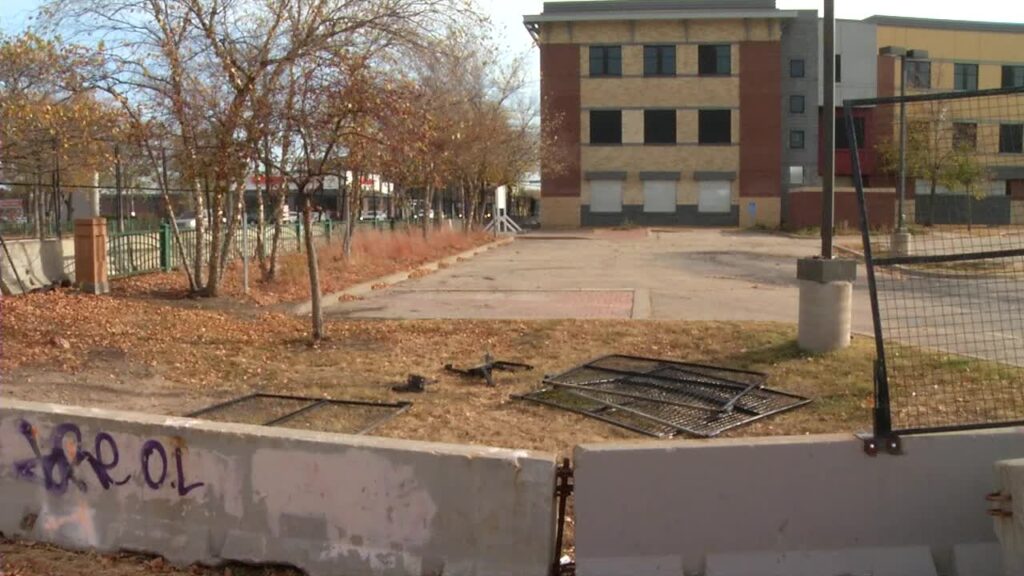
{"type": "Point", "coordinates": [686, 274]}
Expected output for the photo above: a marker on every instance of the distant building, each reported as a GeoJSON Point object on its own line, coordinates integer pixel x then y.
{"type": "Point", "coordinates": [708, 112]}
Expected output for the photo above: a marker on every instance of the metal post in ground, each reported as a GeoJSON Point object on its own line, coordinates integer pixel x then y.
{"type": "Point", "coordinates": [826, 284]}
{"type": "Point", "coordinates": [245, 251]}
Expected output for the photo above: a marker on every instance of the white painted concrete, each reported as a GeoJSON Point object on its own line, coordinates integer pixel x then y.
{"type": "Point", "coordinates": [1010, 526]}
{"type": "Point", "coordinates": [906, 561]}
{"type": "Point", "coordinates": [825, 316]}
{"type": "Point", "coordinates": [39, 263]}
{"type": "Point", "coordinates": [196, 491]}
{"type": "Point", "coordinates": [645, 509]}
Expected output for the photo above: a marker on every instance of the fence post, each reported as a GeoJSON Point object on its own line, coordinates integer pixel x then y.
{"type": "Point", "coordinates": [298, 235]}
{"type": "Point", "coordinates": [165, 246]}
{"type": "Point", "coordinates": [327, 230]}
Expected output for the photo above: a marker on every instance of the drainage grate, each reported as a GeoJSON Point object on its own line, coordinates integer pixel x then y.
{"type": "Point", "coordinates": [319, 414]}
{"type": "Point", "coordinates": [662, 398]}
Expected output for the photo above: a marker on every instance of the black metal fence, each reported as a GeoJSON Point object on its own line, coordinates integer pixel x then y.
{"type": "Point", "coordinates": [946, 288]}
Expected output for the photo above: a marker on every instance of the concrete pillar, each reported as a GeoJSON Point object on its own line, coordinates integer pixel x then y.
{"type": "Point", "coordinates": [1006, 506]}
{"type": "Point", "coordinates": [91, 255]}
{"type": "Point", "coordinates": [86, 203]}
{"type": "Point", "coordinates": [826, 297]}
{"type": "Point", "coordinates": [901, 243]}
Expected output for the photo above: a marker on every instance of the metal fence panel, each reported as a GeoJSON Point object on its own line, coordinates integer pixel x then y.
{"type": "Point", "coordinates": [946, 293]}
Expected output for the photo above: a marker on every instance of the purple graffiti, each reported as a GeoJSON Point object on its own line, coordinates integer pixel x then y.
{"type": "Point", "coordinates": [60, 468]}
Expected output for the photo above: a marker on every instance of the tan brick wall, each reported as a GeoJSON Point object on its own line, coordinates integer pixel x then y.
{"type": "Point", "coordinates": [686, 159]}
{"type": "Point", "coordinates": [1016, 212]}
{"type": "Point", "coordinates": [560, 212]}
{"type": "Point", "coordinates": [768, 212]}
{"type": "Point", "coordinates": [602, 32]}
{"type": "Point", "coordinates": [659, 92]}
{"type": "Point", "coordinates": [632, 126]}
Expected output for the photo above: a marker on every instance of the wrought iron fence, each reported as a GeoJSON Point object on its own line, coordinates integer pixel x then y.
{"type": "Point", "coordinates": [946, 284]}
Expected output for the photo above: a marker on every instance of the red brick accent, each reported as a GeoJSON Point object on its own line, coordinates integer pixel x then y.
{"type": "Point", "coordinates": [560, 106]}
{"type": "Point", "coordinates": [1015, 189]}
{"type": "Point", "coordinates": [805, 209]}
{"type": "Point", "coordinates": [760, 119]}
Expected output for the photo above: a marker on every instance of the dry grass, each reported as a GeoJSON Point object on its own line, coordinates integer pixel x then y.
{"type": "Point", "coordinates": [186, 359]}
{"type": "Point", "coordinates": [375, 253]}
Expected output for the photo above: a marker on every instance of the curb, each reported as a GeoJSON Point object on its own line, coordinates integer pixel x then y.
{"type": "Point", "coordinates": [364, 288]}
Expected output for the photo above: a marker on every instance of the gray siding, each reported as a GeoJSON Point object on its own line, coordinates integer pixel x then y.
{"type": "Point", "coordinates": [857, 45]}
{"type": "Point", "coordinates": [800, 41]}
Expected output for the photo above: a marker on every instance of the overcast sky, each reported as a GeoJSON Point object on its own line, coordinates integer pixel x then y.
{"type": "Point", "coordinates": [508, 15]}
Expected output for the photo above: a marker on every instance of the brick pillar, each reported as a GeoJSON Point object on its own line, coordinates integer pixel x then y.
{"type": "Point", "coordinates": [91, 255]}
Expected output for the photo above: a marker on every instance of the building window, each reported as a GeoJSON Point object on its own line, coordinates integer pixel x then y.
{"type": "Point", "coordinates": [714, 60]}
{"type": "Point", "coordinates": [796, 68]}
{"type": "Point", "coordinates": [714, 127]}
{"type": "Point", "coordinates": [839, 68]}
{"type": "Point", "coordinates": [796, 139]}
{"type": "Point", "coordinates": [659, 60]}
{"type": "Point", "coordinates": [965, 76]}
{"type": "Point", "coordinates": [796, 174]}
{"type": "Point", "coordinates": [965, 136]}
{"type": "Point", "coordinates": [796, 104]}
{"type": "Point", "coordinates": [919, 74]}
{"type": "Point", "coordinates": [659, 126]}
{"type": "Point", "coordinates": [660, 196]}
{"type": "Point", "coordinates": [1011, 138]}
{"type": "Point", "coordinates": [1013, 76]}
{"type": "Point", "coordinates": [606, 60]}
{"type": "Point", "coordinates": [715, 197]}
{"type": "Point", "coordinates": [606, 196]}
{"type": "Point", "coordinates": [606, 126]}
{"type": "Point", "coordinates": [843, 139]}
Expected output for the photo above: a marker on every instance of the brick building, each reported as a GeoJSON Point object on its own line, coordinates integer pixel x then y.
{"type": "Point", "coordinates": [707, 112]}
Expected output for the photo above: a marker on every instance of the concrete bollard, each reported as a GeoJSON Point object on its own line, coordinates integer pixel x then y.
{"type": "Point", "coordinates": [826, 297]}
{"type": "Point", "coordinates": [901, 243]}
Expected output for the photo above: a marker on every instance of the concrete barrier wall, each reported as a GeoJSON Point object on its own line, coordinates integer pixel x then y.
{"type": "Point", "coordinates": [329, 504]}
{"type": "Point", "coordinates": [695, 506]}
{"type": "Point", "coordinates": [39, 263]}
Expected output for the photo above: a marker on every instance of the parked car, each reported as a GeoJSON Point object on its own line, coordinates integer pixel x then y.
{"type": "Point", "coordinates": [186, 221]}
{"type": "Point", "coordinates": [371, 215]}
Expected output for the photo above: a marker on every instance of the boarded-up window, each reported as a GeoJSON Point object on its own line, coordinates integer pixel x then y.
{"type": "Point", "coordinates": [715, 197]}
{"type": "Point", "coordinates": [660, 196]}
{"type": "Point", "coordinates": [606, 196]}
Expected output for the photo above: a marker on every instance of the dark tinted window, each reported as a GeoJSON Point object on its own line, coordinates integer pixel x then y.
{"type": "Point", "coordinates": [965, 76]}
{"type": "Point", "coordinates": [839, 68]}
{"type": "Point", "coordinates": [796, 139]}
{"type": "Point", "coordinates": [714, 60]}
{"type": "Point", "coordinates": [1013, 76]}
{"type": "Point", "coordinates": [919, 74]}
{"type": "Point", "coordinates": [796, 68]}
{"type": "Point", "coordinates": [659, 60]}
{"type": "Point", "coordinates": [965, 135]}
{"type": "Point", "coordinates": [1011, 138]}
{"type": "Point", "coordinates": [796, 104]}
{"type": "Point", "coordinates": [606, 61]}
{"type": "Point", "coordinates": [714, 127]}
{"type": "Point", "coordinates": [842, 138]}
{"type": "Point", "coordinates": [659, 126]}
{"type": "Point", "coordinates": [606, 126]}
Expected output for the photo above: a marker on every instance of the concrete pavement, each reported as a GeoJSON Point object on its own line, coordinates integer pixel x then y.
{"type": "Point", "coordinates": [685, 274]}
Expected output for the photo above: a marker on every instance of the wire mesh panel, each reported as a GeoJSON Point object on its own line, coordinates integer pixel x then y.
{"type": "Point", "coordinates": [319, 414]}
{"type": "Point", "coordinates": [662, 398]}
{"type": "Point", "coordinates": [945, 271]}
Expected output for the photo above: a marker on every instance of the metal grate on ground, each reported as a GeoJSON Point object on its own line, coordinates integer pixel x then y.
{"type": "Point", "coordinates": [318, 414]}
{"type": "Point", "coordinates": [947, 304]}
{"type": "Point", "coordinates": [663, 398]}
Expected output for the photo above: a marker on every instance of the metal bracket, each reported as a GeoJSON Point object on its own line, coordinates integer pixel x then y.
{"type": "Point", "coordinates": [565, 484]}
{"type": "Point", "coordinates": [490, 365]}
{"type": "Point", "coordinates": [875, 445]}
{"type": "Point", "coordinates": [998, 503]}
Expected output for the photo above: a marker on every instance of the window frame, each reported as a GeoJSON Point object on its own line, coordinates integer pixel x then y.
{"type": "Point", "coordinates": [1017, 141]}
{"type": "Point", "coordinates": [702, 59]}
{"type": "Point", "coordinates": [705, 123]}
{"type": "Point", "coordinates": [793, 98]}
{"type": "Point", "coordinates": [914, 77]}
{"type": "Point", "coordinates": [668, 113]}
{"type": "Point", "coordinates": [958, 67]}
{"type": "Point", "coordinates": [594, 125]}
{"type": "Point", "coordinates": [605, 60]}
{"type": "Point", "coordinates": [659, 53]}
{"type": "Point", "coordinates": [803, 68]}
{"type": "Point", "coordinates": [800, 142]}
{"type": "Point", "coordinates": [958, 134]}
{"type": "Point", "coordinates": [1008, 72]}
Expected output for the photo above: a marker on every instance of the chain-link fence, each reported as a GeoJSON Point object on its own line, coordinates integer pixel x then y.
{"type": "Point", "coordinates": [946, 290]}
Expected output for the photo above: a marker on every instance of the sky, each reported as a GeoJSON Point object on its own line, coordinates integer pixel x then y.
{"type": "Point", "coordinates": [510, 35]}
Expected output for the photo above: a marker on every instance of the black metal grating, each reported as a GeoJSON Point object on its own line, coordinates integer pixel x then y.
{"type": "Point", "coordinates": [663, 398]}
{"type": "Point", "coordinates": [319, 414]}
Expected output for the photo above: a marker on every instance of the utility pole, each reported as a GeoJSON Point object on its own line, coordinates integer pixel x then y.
{"type": "Point", "coordinates": [828, 184]}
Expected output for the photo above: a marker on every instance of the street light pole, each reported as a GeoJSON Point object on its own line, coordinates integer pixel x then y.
{"type": "Point", "coordinates": [829, 118]}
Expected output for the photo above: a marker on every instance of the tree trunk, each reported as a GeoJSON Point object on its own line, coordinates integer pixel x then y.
{"type": "Point", "coordinates": [428, 201]}
{"type": "Point", "coordinates": [350, 198]}
{"type": "Point", "coordinates": [213, 267]}
{"type": "Point", "coordinates": [275, 240]}
{"type": "Point", "coordinates": [201, 217]}
{"type": "Point", "coordinates": [970, 210]}
{"type": "Point", "coordinates": [931, 205]}
{"type": "Point", "coordinates": [314, 269]}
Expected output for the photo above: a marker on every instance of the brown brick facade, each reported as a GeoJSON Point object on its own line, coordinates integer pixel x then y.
{"type": "Point", "coordinates": [560, 107]}
{"type": "Point", "coordinates": [760, 121]}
